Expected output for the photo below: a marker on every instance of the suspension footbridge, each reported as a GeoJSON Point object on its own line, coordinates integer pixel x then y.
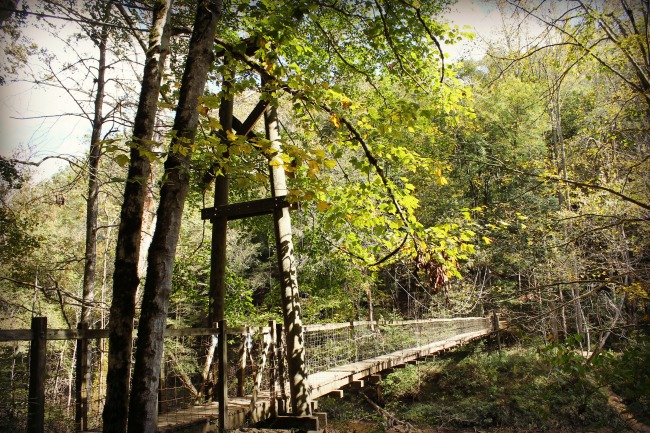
{"type": "Point", "coordinates": [337, 355]}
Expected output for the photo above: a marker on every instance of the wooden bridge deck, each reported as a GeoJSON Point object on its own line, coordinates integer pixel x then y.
{"type": "Point", "coordinates": [203, 418]}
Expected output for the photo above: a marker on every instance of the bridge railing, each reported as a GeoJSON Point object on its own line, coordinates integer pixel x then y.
{"type": "Point", "coordinates": [332, 345]}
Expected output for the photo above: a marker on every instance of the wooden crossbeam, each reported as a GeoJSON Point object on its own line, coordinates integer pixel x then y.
{"type": "Point", "coordinates": [246, 128]}
{"type": "Point", "coordinates": [247, 209]}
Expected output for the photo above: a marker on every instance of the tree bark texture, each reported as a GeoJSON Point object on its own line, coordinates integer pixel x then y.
{"type": "Point", "coordinates": [288, 278]}
{"type": "Point", "coordinates": [127, 254]}
{"type": "Point", "coordinates": [155, 303]}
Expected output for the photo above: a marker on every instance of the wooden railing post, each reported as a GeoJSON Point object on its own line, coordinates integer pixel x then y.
{"type": "Point", "coordinates": [243, 353]}
{"type": "Point", "coordinates": [37, 368]}
{"type": "Point", "coordinates": [273, 374]}
{"type": "Point", "coordinates": [279, 346]}
{"type": "Point", "coordinates": [222, 380]}
{"type": "Point", "coordinates": [352, 343]}
{"type": "Point", "coordinates": [82, 380]}
{"type": "Point", "coordinates": [495, 325]}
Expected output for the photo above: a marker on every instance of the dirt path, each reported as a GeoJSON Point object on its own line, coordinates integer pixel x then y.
{"type": "Point", "coordinates": [616, 403]}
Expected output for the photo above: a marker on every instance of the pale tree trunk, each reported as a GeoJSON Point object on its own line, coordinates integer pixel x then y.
{"type": "Point", "coordinates": [565, 330]}
{"type": "Point", "coordinates": [127, 254]}
{"type": "Point", "coordinates": [143, 414]}
{"type": "Point", "coordinates": [288, 277]}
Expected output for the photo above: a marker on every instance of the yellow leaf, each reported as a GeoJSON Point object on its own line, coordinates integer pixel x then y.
{"type": "Point", "coordinates": [335, 121]}
{"type": "Point", "coordinates": [329, 163]}
{"type": "Point", "coordinates": [323, 206]}
{"type": "Point", "coordinates": [313, 165]}
{"type": "Point", "coordinates": [487, 240]}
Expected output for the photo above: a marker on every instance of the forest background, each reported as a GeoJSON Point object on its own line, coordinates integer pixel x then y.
{"type": "Point", "coordinates": [428, 186]}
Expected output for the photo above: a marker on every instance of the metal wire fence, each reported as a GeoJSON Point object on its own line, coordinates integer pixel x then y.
{"type": "Point", "coordinates": [14, 387]}
{"type": "Point", "coordinates": [333, 345]}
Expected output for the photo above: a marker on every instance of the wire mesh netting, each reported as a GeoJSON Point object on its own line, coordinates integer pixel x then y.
{"type": "Point", "coordinates": [14, 387]}
{"type": "Point", "coordinates": [330, 346]}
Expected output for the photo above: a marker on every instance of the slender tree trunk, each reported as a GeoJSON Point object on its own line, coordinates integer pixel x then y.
{"type": "Point", "coordinates": [563, 312]}
{"type": "Point", "coordinates": [288, 279]}
{"type": "Point", "coordinates": [127, 254]}
{"type": "Point", "coordinates": [143, 406]}
{"type": "Point", "coordinates": [92, 201]}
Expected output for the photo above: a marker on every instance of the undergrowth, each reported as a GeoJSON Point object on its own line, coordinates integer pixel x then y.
{"type": "Point", "coordinates": [538, 388]}
{"type": "Point", "coordinates": [519, 388]}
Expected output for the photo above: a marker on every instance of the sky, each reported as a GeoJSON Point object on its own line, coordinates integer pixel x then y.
{"type": "Point", "coordinates": [25, 136]}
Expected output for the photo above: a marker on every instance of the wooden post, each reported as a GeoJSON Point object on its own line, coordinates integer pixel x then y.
{"type": "Point", "coordinates": [280, 357]}
{"type": "Point", "coordinates": [495, 326]}
{"type": "Point", "coordinates": [273, 374]}
{"type": "Point", "coordinates": [37, 370]}
{"type": "Point", "coordinates": [220, 223]}
{"type": "Point", "coordinates": [351, 339]}
{"type": "Point", "coordinates": [222, 380]}
{"type": "Point", "coordinates": [216, 304]}
{"type": "Point", "coordinates": [82, 380]}
{"type": "Point", "coordinates": [243, 353]}
{"type": "Point", "coordinates": [288, 274]}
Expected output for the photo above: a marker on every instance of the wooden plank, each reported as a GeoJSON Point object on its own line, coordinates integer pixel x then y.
{"type": "Point", "coordinates": [222, 379]}
{"type": "Point", "coordinates": [15, 334]}
{"type": "Point", "coordinates": [248, 209]}
{"type": "Point", "coordinates": [336, 393]}
{"type": "Point", "coordinates": [256, 113]}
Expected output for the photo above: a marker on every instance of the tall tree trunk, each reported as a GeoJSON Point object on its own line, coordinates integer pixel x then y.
{"type": "Point", "coordinates": [155, 303]}
{"type": "Point", "coordinates": [288, 278]}
{"type": "Point", "coordinates": [127, 254]}
{"type": "Point", "coordinates": [92, 201]}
